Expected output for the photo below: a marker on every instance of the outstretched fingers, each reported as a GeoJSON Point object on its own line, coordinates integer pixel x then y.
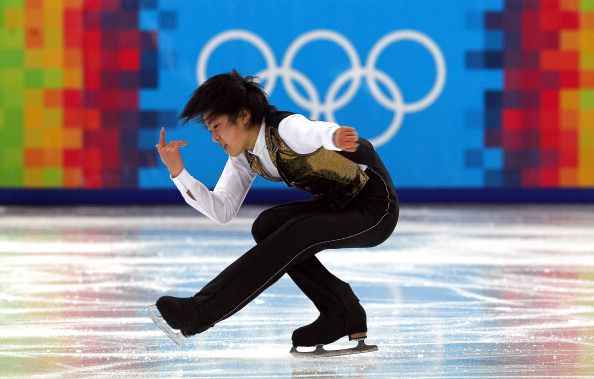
{"type": "Point", "coordinates": [162, 142]}
{"type": "Point", "coordinates": [171, 146]}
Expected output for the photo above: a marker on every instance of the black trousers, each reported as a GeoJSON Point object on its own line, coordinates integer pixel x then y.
{"type": "Point", "coordinates": [288, 236]}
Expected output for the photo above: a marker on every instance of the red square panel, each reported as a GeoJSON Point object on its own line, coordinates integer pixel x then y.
{"type": "Point", "coordinates": [72, 157]}
{"type": "Point", "coordinates": [513, 119]}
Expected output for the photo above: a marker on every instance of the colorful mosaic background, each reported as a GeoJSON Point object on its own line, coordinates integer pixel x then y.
{"type": "Point", "coordinates": [542, 120]}
{"type": "Point", "coordinates": [71, 72]}
{"type": "Point", "coordinates": [85, 86]}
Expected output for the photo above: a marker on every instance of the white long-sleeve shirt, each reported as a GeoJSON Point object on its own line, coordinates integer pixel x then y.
{"type": "Point", "coordinates": [222, 204]}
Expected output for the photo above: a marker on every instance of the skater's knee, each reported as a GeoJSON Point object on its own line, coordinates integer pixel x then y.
{"type": "Point", "coordinates": [260, 227]}
{"type": "Point", "coordinates": [256, 232]}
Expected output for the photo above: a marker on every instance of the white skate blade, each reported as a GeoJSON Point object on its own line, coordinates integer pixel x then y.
{"type": "Point", "coordinates": [320, 352]}
{"type": "Point", "coordinates": [173, 334]}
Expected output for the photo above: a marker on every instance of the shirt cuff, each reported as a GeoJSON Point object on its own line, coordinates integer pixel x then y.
{"type": "Point", "coordinates": [183, 181]}
{"type": "Point", "coordinates": [328, 138]}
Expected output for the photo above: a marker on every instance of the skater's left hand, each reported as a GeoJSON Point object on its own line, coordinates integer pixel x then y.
{"type": "Point", "coordinates": [346, 138]}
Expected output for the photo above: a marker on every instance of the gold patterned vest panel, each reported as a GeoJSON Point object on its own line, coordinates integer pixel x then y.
{"type": "Point", "coordinates": [324, 173]}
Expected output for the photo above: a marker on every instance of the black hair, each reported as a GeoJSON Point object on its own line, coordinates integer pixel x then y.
{"type": "Point", "coordinates": [227, 94]}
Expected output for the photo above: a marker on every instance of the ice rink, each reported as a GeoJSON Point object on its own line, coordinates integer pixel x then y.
{"type": "Point", "coordinates": [457, 291]}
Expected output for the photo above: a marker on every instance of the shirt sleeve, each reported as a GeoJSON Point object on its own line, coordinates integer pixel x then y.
{"type": "Point", "coordinates": [305, 136]}
{"type": "Point", "coordinates": [223, 202]}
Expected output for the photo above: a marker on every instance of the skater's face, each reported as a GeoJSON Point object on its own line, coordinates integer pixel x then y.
{"type": "Point", "coordinates": [232, 136]}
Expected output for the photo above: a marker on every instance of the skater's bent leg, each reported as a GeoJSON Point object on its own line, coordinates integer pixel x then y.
{"type": "Point", "coordinates": [271, 219]}
{"type": "Point", "coordinates": [325, 290]}
{"type": "Point", "coordinates": [266, 262]}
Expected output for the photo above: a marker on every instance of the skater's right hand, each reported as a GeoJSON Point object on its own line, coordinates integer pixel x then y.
{"type": "Point", "coordinates": [170, 155]}
{"type": "Point", "coordinates": [346, 138]}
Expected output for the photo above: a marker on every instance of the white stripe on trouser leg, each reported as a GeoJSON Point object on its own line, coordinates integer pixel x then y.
{"type": "Point", "coordinates": [315, 244]}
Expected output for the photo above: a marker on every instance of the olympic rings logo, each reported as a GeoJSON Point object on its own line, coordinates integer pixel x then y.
{"type": "Point", "coordinates": [330, 103]}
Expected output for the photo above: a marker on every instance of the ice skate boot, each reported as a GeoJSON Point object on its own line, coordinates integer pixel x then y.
{"type": "Point", "coordinates": [177, 317]}
{"type": "Point", "coordinates": [328, 328]}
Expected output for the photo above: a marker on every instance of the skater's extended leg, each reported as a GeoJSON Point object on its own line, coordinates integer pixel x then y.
{"type": "Point", "coordinates": [268, 221]}
{"type": "Point", "coordinates": [363, 224]}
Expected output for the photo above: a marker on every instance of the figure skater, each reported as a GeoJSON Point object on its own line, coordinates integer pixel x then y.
{"type": "Point", "coordinates": [353, 204]}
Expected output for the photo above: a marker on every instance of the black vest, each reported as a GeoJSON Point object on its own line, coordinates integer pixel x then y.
{"type": "Point", "coordinates": [332, 175]}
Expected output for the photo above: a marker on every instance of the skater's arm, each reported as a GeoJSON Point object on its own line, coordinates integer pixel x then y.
{"type": "Point", "coordinates": [305, 136]}
{"type": "Point", "coordinates": [223, 203]}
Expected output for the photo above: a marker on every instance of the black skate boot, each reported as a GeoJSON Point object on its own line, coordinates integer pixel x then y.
{"type": "Point", "coordinates": [331, 326]}
{"type": "Point", "coordinates": [177, 317]}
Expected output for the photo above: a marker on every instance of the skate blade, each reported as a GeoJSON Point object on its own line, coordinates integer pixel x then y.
{"type": "Point", "coordinates": [320, 352]}
{"type": "Point", "coordinates": [173, 334]}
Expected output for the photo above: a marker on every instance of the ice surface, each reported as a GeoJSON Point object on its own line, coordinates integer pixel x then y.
{"type": "Point", "coordinates": [457, 291]}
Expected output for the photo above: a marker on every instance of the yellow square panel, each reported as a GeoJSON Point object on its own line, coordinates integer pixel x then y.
{"type": "Point", "coordinates": [34, 98]}
{"type": "Point", "coordinates": [53, 38]}
{"type": "Point", "coordinates": [586, 118]}
{"type": "Point", "coordinates": [33, 177]}
{"type": "Point", "coordinates": [587, 41]}
{"type": "Point", "coordinates": [587, 61]}
{"type": "Point", "coordinates": [52, 14]}
{"type": "Point", "coordinates": [33, 138]}
{"type": "Point", "coordinates": [34, 58]}
{"type": "Point", "coordinates": [570, 99]}
{"type": "Point", "coordinates": [586, 156]}
{"type": "Point", "coordinates": [586, 172]}
{"type": "Point", "coordinates": [33, 117]}
{"type": "Point", "coordinates": [52, 138]}
{"type": "Point", "coordinates": [12, 78]}
{"type": "Point", "coordinates": [13, 18]}
{"type": "Point", "coordinates": [53, 57]}
{"type": "Point", "coordinates": [53, 117]}
{"type": "Point", "coordinates": [73, 78]}
{"type": "Point", "coordinates": [54, 5]}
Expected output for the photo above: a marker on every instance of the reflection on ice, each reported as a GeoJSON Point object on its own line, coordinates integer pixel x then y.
{"type": "Point", "coordinates": [456, 291]}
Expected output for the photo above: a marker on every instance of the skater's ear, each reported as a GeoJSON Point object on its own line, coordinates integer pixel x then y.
{"type": "Point", "coordinates": [244, 116]}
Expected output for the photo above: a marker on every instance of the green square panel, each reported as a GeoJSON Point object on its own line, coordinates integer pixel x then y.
{"type": "Point", "coordinates": [34, 78]}
{"type": "Point", "coordinates": [11, 177]}
{"type": "Point", "coordinates": [587, 100]}
{"type": "Point", "coordinates": [52, 177]}
{"type": "Point", "coordinates": [11, 133]}
{"type": "Point", "coordinates": [588, 5]}
{"type": "Point", "coordinates": [12, 78]}
{"type": "Point", "coordinates": [13, 3]}
{"type": "Point", "coordinates": [11, 157]}
{"type": "Point", "coordinates": [12, 39]}
{"type": "Point", "coordinates": [13, 117]}
{"type": "Point", "coordinates": [11, 98]}
{"type": "Point", "coordinates": [11, 58]}
{"type": "Point", "coordinates": [53, 78]}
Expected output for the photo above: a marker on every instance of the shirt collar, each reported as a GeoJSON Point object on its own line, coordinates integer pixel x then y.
{"type": "Point", "coordinates": [260, 145]}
